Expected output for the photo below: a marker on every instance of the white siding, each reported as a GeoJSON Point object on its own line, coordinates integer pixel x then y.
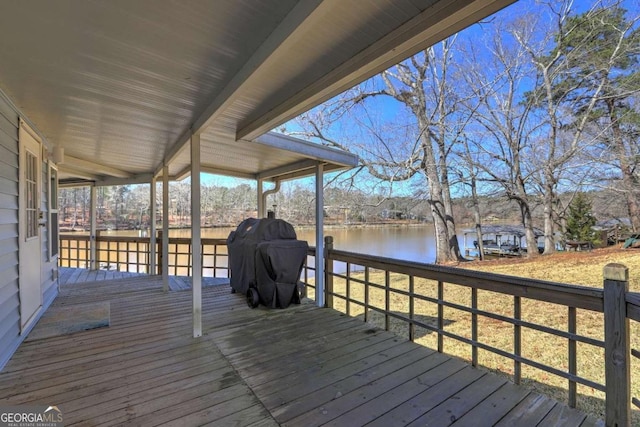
{"type": "Point", "coordinates": [10, 337]}
{"type": "Point", "coordinates": [9, 296]}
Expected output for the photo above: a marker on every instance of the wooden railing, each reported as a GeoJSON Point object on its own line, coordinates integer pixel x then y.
{"type": "Point", "coordinates": [214, 260]}
{"type": "Point", "coordinates": [633, 313]}
{"type": "Point", "coordinates": [132, 254]}
{"type": "Point", "coordinates": [74, 251]}
{"type": "Point", "coordinates": [392, 293]}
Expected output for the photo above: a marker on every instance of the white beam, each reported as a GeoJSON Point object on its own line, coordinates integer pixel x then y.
{"type": "Point", "coordinates": [226, 172]}
{"type": "Point", "coordinates": [172, 153]}
{"type": "Point", "coordinates": [93, 249]}
{"type": "Point", "coordinates": [288, 169]}
{"type": "Point", "coordinates": [230, 93]}
{"type": "Point", "coordinates": [196, 247]}
{"type": "Point", "coordinates": [308, 149]}
{"type": "Point", "coordinates": [183, 174]}
{"type": "Point", "coordinates": [442, 19]}
{"type": "Point", "coordinates": [152, 228]}
{"type": "Point", "coordinates": [75, 173]}
{"type": "Point", "coordinates": [165, 229]}
{"type": "Point", "coordinates": [93, 167]}
{"type": "Point", "coordinates": [319, 235]}
{"type": "Point", "coordinates": [261, 209]}
{"type": "Point", "coordinates": [143, 178]}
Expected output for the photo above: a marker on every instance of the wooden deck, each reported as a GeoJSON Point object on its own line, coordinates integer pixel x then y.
{"type": "Point", "coordinates": [302, 366]}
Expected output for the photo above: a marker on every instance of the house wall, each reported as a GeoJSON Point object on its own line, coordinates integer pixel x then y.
{"type": "Point", "coordinates": [9, 295]}
{"type": "Point", "coordinates": [10, 336]}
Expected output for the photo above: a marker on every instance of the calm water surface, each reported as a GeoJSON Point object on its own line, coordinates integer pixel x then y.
{"type": "Point", "coordinates": [412, 243]}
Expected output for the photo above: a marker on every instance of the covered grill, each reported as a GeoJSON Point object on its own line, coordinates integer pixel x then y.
{"type": "Point", "coordinates": [266, 259]}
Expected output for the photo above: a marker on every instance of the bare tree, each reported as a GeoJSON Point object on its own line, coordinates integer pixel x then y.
{"type": "Point", "coordinates": [502, 132]}
{"type": "Point", "coordinates": [471, 174]}
{"type": "Point", "coordinates": [419, 145]}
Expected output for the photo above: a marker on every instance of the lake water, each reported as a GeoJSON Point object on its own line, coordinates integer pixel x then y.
{"type": "Point", "coordinates": [412, 243]}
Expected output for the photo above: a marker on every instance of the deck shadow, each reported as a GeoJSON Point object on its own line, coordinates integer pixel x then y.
{"type": "Point", "coordinates": [401, 327]}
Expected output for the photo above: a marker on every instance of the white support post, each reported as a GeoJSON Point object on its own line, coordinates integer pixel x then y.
{"type": "Point", "coordinates": [196, 247]}
{"type": "Point", "coordinates": [93, 228]}
{"type": "Point", "coordinates": [319, 235]}
{"type": "Point", "coordinates": [261, 207]}
{"type": "Point", "coordinates": [165, 228]}
{"type": "Point", "coordinates": [152, 228]}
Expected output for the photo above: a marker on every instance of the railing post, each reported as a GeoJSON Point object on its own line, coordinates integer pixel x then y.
{"type": "Point", "coordinates": [93, 224]}
{"type": "Point", "coordinates": [412, 326]}
{"type": "Point", "coordinates": [387, 300]}
{"type": "Point", "coordinates": [517, 340]}
{"type": "Point", "coordinates": [617, 346]}
{"type": "Point", "coordinates": [573, 357]}
{"type": "Point", "coordinates": [440, 316]}
{"type": "Point", "coordinates": [96, 260]}
{"type": "Point", "coordinates": [366, 293]}
{"type": "Point", "coordinates": [160, 253]}
{"type": "Point", "coordinates": [348, 289]}
{"type": "Point", "coordinates": [328, 272]}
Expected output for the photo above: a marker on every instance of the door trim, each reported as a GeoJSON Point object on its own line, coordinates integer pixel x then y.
{"type": "Point", "coordinates": [30, 261]}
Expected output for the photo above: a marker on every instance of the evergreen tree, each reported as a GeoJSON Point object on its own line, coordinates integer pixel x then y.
{"type": "Point", "coordinates": [580, 221]}
{"type": "Point", "coordinates": [600, 79]}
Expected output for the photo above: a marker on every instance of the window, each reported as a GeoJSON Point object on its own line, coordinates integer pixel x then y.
{"type": "Point", "coordinates": [31, 187]}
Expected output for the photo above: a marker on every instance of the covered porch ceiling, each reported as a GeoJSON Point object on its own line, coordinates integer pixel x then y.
{"type": "Point", "coordinates": [121, 85]}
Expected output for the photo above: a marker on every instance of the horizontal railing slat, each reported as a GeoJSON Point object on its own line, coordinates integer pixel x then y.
{"type": "Point", "coordinates": [633, 306]}
{"type": "Point", "coordinates": [557, 293]}
{"type": "Point", "coordinates": [498, 351]}
{"type": "Point", "coordinates": [517, 322]}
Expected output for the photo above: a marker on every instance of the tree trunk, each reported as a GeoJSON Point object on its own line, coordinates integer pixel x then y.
{"type": "Point", "coordinates": [440, 231]}
{"type": "Point", "coordinates": [527, 220]}
{"type": "Point", "coordinates": [452, 237]}
{"type": "Point", "coordinates": [477, 218]}
{"type": "Point", "coordinates": [633, 206]}
{"type": "Point", "coordinates": [438, 212]}
{"type": "Point", "coordinates": [447, 248]}
{"type": "Point", "coordinates": [530, 235]}
{"type": "Point", "coordinates": [549, 244]}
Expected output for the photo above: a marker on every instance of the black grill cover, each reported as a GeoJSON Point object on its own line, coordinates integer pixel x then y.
{"type": "Point", "coordinates": [264, 254]}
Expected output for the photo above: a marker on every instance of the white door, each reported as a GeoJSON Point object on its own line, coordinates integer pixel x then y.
{"type": "Point", "coordinates": [30, 254]}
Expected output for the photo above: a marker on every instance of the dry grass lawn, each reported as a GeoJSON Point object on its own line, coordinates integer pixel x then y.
{"type": "Point", "coordinates": [578, 268]}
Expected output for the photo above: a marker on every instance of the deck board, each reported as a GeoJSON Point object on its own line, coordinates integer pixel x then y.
{"type": "Point", "coordinates": [456, 406]}
{"type": "Point", "coordinates": [494, 407]}
{"type": "Point", "coordinates": [302, 366]}
{"type": "Point", "coordinates": [72, 276]}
